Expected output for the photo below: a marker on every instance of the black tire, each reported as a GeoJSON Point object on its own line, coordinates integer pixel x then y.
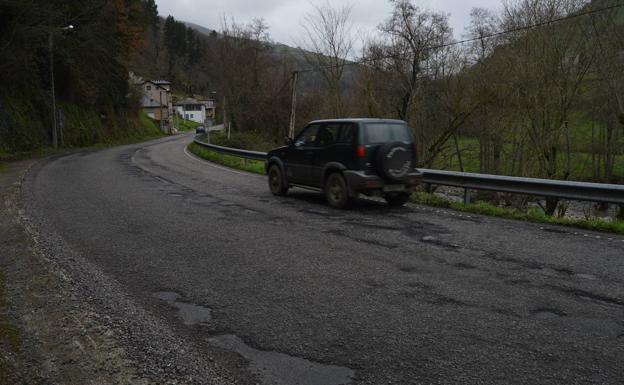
{"type": "Point", "coordinates": [277, 182]}
{"type": "Point", "coordinates": [397, 199]}
{"type": "Point", "coordinates": [394, 161]}
{"type": "Point", "coordinates": [336, 191]}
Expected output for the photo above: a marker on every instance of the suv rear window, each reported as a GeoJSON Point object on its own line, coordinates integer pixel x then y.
{"type": "Point", "coordinates": [375, 133]}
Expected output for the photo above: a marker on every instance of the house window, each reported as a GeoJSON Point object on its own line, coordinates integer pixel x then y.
{"type": "Point", "coordinates": [186, 116]}
{"type": "Point", "coordinates": [192, 116]}
{"type": "Point", "coordinates": [149, 88]}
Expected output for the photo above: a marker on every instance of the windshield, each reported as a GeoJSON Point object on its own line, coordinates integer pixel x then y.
{"type": "Point", "coordinates": [375, 133]}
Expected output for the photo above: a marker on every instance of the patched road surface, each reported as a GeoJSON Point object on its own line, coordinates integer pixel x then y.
{"type": "Point", "coordinates": [208, 278]}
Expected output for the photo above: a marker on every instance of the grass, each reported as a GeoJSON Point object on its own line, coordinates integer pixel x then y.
{"type": "Point", "coordinates": [186, 125]}
{"type": "Point", "coordinates": [253, 166]}
{"type": "Point", "coordinates": [252, 141]}
{"type": "Point", "coordinates": [580, 158]}
{"type": "Point", "coordinates": [532, 215]}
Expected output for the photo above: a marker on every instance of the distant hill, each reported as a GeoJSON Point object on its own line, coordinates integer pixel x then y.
{"type": "Point", "coordinates": [281, 49]}
{"type": "Point", "coordinates": [200, 29]}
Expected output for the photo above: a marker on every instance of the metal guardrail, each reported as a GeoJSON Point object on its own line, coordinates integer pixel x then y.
{"type": "Point", "coordinates": [233, 151]}
{"type": "Point", "coordinates": [581, 191]}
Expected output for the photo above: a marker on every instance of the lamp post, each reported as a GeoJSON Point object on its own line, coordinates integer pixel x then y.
{"type": "Point", "coordinates": [51, 46]}
{"type": "Point", "coordinates": [212, 106]}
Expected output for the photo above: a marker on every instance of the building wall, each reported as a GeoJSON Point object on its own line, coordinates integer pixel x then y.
{"type": "Point", "coordinates": [155, 112]}
{"type": "Point", "coordinates": [159, 95]}
{"type": "Point", "coordinates": [154, 92]}
{"type": "Point", "coordinates": [198, 116]}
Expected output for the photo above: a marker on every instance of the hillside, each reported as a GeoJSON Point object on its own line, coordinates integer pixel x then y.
{"type": "Point", "coordinates": [294, 54]}
{"type": "Point", "coordinates": [93, 99]}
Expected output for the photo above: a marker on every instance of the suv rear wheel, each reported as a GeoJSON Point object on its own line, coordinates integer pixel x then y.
{"type": "Point", "coordinates": [336, 191]}
{"type": "Point", "coordinates": [277, 182]}
{"type": "Point", "coordinates": [397, 199]}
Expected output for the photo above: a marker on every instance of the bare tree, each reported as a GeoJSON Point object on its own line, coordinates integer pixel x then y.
{"type": "Point", "coordinates": [549, 65]}
{"type": "Point", "coordinates": [411, 35]}
{"type": "Point", "coordinates": [327, 47]}
{"type": "Point", "coordinates": [414, 74]}
{"type": "Point", "coordinates": [252, 78]}
{"type": "Point", "coordinates": [484, 76]}
{"type": "Point", "coordinates": [609, 96]}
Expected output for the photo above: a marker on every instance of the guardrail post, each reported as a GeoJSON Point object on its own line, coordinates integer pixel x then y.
{"type": "Point", "coordinates": [466, 196]}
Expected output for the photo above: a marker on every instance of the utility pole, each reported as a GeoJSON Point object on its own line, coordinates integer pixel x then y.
{"type": "Point", "coordinates": [52, 87]}
{"type": "Point", "coordinates": [54, 134]}
{"type": "Point", "coordinates": [224, 112]}
{"type": "Point", "coordinates": [161, 110]}
{"type": "Point", "coordinates": [293, 106]}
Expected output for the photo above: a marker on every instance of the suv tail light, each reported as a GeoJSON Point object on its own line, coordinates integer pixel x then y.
{"type": "Point", "coordinates": [360, 151]}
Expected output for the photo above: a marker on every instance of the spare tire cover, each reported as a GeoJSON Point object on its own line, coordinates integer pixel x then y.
{"type": "Point", "coordinates": [394, 160]}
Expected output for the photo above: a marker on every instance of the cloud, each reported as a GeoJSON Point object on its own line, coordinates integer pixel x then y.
{"type": "Point", "coordinates": [284, 17]}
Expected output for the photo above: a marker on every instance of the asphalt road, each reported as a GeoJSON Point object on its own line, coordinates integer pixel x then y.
{"type": "Point", "coordinates": [212, 278]}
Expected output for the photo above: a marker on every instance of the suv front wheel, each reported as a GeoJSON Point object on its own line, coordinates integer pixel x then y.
{"type": "Point", "coordinates": [336, 191]}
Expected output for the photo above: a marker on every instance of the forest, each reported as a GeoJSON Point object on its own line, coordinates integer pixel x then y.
{"type": "Point", "coordinates": [88, 45]}
{"type": "Point", "coordinates": [533, 89]}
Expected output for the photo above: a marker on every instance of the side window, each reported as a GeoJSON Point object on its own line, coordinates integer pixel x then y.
{"type": "Point", "coordinates": [329, 135]}
{"type": "Point", "coordinates": [347, 133]}
{"type": "Point", "coordinates": [308, 137]}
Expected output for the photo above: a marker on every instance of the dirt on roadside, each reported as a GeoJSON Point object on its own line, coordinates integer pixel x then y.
{"type": "Point", "coordinates": [47, 334]}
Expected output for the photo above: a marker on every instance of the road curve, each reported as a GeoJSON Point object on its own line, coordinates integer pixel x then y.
{"type": "Point", "coordinates": [208, 275]}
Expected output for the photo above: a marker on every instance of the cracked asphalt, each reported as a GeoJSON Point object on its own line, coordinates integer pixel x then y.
{"type": "Point", "coordinates": [389, 296]}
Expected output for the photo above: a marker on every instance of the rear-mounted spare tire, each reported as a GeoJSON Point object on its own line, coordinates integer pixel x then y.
{"type": "Point", "coordinates": [394, 161]}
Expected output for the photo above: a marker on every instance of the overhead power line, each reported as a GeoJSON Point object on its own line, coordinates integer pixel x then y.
{"type": "Point", "coordinates": [458, 42]}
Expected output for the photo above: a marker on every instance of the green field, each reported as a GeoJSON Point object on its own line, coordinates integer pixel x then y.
{"type": "Point", "coordinates": [580, 159]}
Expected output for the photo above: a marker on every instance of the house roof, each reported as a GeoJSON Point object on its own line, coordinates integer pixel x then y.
{"type": "Point", "coordinates": [158, 83]}
{"type": "Point", "coordinates": [188, 101]}
{"type": "Point", "coordinates": [359, 120]}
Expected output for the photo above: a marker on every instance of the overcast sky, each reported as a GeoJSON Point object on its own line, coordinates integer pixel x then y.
{"type": "Point", "coordinates": [284, 17]}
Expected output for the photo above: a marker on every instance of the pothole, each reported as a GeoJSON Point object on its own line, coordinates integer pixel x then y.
{"type": "Point", "coordinates": [189, 313]}
{"type": "Point", "coordinates": [281, 369]}
{"type": "Point", "coordinates": [548, 314]}
{"type": "Point", "coordinates": [586, 276]}
{"type": "Point", "coordinates": [602, 327]}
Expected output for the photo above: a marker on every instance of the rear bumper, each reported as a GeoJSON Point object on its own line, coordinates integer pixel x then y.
{"type": "Point", "coordinates": [361, 183]}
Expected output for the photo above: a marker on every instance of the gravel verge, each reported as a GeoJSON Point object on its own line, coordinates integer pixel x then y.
{"type": "Point", "coordinates": [62, 321]}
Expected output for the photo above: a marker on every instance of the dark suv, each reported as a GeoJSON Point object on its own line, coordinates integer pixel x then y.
{"type": "Point", "coordinates": [346, 157]}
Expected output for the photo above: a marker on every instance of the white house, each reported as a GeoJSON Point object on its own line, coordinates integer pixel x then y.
{"type": "Point", "coordinates": [199, 111]}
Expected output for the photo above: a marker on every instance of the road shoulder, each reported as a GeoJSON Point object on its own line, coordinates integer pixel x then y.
{"type": "Point", "coordinates": [47, 334]}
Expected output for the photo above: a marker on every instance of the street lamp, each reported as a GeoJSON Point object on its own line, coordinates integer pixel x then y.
{"type": "Point", "coordinates": [51, 44]}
